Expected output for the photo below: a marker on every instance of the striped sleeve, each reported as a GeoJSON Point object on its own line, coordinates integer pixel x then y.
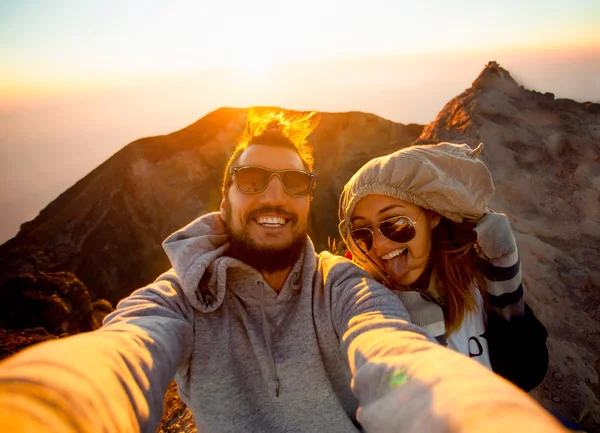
{"type": "Point", "coordinates": [424, 313]}
{"type": "Point", "coordinates": [504, 285]}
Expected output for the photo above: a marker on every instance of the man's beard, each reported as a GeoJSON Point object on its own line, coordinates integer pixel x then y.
{"type": "Point", "coordinates": [264, 258]}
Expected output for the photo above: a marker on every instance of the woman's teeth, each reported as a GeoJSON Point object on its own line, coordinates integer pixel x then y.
{"type": "Point", "coordinates": [271, 221]}
{"type": "Point", "coordinates": [394, 253]}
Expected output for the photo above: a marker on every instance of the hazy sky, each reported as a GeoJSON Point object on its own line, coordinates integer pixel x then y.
{"type": "Point", "coordinates": [63, 40]}
{"type": "Point", "coordinates": [81, 79]}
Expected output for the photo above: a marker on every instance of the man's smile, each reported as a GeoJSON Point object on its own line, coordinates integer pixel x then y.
{"type": "Point", "coordinates": [271, 221]}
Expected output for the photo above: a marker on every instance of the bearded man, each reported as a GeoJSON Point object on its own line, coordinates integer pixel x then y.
{"type": "Point", "coordinates": [261, 333]}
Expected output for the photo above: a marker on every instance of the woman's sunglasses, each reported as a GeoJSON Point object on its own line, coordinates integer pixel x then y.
{"type": "Point", "coordinates": [399, 229]}
{"type": "Point", "coordinates": [251, 179]}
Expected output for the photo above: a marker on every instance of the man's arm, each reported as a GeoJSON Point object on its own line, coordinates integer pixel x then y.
{"type": "Point", "coordinates": [112, 379]}
{"type": "Point", "coordinates": [405, 382]}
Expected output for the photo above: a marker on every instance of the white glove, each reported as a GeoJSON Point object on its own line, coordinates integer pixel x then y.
{"type": "Point", "coordinates": [494, 235]}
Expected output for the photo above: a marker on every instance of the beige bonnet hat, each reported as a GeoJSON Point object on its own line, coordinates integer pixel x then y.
{"type": "Point", "coordinates": [446, 178]}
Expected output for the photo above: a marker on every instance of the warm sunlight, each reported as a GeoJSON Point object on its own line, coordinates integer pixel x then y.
{"type": "Point", "coordinates": [252, 65]}
{"type": "Point", "coordinates": [151, 42]}
{"type": "Point", "coordinates": [78, 83]}
{"type": "Point", "coordinates": [256, 69]}
{"type": "Point", "coordinates": [118, 119]}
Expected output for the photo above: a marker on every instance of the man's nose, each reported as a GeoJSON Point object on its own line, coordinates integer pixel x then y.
{"type": "Point", "coordinates": [274, 194]}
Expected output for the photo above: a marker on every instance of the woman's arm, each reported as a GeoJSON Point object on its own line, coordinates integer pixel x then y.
{"type": "Point", "coordinates": [516, 338]}
{"type": "Point", "coordinates": [500, 265]}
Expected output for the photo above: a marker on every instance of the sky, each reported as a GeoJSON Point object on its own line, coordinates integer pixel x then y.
{"type": "Point", "coordinates": [81, 79]}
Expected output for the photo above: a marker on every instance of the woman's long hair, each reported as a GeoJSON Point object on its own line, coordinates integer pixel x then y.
{"type": "Point", "coordinates": [453, 257]}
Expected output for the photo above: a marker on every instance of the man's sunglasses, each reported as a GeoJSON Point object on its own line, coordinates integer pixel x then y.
{"type": "Point", "coordinates": [400, 229]}
{"type": "Point", "coordinates": [251, 179]}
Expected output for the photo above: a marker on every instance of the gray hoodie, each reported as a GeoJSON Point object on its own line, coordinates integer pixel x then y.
{"type": "Point", "coordinates": [274, 361]}
{"type": "Point", "coordinates": [248, 359]}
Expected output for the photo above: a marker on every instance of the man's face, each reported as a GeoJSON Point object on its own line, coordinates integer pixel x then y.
{"type": "Point", "coordinates": [268, 229]}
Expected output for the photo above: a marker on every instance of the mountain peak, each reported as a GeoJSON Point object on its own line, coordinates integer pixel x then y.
{"type": "Point", "coordinates": [496, 100]}
{"type": "Point", "coordinates": [493, 76]}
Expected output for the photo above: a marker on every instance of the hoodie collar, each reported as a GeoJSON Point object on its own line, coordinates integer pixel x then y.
{"type": "Point", "coordinates": [197, 255]}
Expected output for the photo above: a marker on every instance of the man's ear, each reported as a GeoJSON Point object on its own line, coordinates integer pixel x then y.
{"type": "Point", "coordinates": [223, 207]}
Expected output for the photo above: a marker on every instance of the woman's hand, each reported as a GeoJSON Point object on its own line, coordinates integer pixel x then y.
{"type": "Point", "coordinates": [494, 235]}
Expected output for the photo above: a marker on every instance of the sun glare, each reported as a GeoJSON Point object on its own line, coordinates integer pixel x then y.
{"type": "Point", "coordinates": [251, 65]}
{"type": "Point", "coordinates": [256, 69]}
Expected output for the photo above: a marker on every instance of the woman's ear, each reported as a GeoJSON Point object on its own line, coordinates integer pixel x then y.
{"type": "Point", "coordinates": [434, 219]}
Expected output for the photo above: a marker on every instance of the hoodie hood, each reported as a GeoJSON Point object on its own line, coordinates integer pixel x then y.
{"type": "Point", "coordinates": [192, 252]}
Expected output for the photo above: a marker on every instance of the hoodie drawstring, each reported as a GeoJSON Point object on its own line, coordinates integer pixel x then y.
{"type": "Point", "coordinates": [267, 336]}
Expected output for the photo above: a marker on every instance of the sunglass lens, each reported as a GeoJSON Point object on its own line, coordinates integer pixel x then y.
{"type": "Point", "coordinates": [296, 182]}
{"type": "Point", "coordinates": [400, 230]}
{"type": "Point", "coordinates": [252, 179]}
{"type": "Point", "coordinates": [363, 239]}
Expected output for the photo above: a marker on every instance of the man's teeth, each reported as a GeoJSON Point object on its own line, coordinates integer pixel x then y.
{"type": "Point", "coordinates": [271, 221]}
{"type": "Point", "coordinates": [393, 254]}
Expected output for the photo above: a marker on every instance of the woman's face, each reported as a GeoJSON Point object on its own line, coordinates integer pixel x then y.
{"type": "Point", "coordinates": [403, 263]}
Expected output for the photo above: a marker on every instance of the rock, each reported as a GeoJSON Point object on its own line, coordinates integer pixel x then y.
{"type": "Point", "coordinates": [177, 417]}
{"type": "Point", "coordinates": [575, 279]}
{"type": "Point", "coordinates": [556, 399]}
{"type": "Point", "coordinates": [13, 341]}
{"type": "Point", "coordinates": [558, 376]}
{"type": "Point", "coordinates": [101, 308]}
{"type": "Point", "coordinates": [58, 302]}
{"type": "Point", "coordinates": [38, 331]}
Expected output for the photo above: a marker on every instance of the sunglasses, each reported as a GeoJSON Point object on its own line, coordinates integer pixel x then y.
{"type": "Point", "coordinates": [400, 229]}
{"type": "Point", "coordinates": [251, 179]}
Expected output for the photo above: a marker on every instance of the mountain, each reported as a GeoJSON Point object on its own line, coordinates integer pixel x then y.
{"type": "Point", "coordinates": [543, 152]}
{"type": "Point", "coordinates": [107, 228]}
{"type": "Point", "coordinates": [544, 156]}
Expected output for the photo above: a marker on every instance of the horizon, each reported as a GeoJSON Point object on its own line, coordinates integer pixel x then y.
{"type": "Point", "coordinates": [57, 41]}
{"type": "Point", "coordinates": [77, 87]}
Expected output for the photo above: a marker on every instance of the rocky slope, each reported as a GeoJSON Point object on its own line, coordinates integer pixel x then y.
{"type": "Point", "coordinates": [544, 155]}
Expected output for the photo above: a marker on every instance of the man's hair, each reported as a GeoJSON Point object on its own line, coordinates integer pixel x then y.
{"type": "Point", "coordinates": [274, 129]}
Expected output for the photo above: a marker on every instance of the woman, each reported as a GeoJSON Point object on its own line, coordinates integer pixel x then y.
{"type": "Point", "coordinates": [418, 221]}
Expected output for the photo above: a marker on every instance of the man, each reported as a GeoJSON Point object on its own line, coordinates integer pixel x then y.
{"type": "Point", "coordinates": [261, 333]}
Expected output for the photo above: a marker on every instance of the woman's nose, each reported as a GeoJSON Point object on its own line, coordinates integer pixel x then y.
{"type": "Point", "coordinates": [379, 240]}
